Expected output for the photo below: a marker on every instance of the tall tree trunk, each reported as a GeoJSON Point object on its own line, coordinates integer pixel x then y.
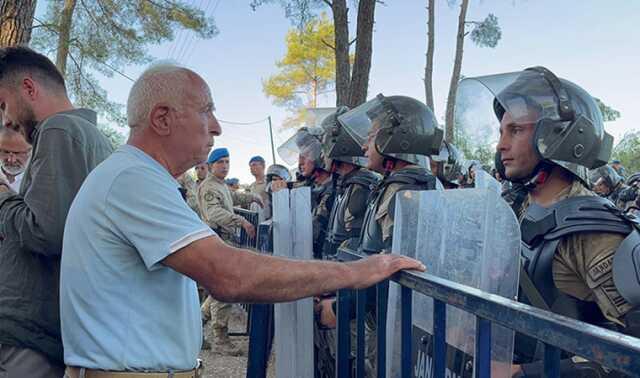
{"type": "Point", "coordinates": [64, 36]}
{"type": "Point", "coordinates": [428, 69]}
{"type": "Point", "coordinates": [362, 62]}
{"type": "Point", "coordinates": [16, 19]}
{"type": "Point", "coordinates": [343, 66]}
{"type": "Point", "coordinates": [455, 77]}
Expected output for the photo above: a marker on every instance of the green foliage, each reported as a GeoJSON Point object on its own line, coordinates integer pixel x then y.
{"type": "Point", "coordinates": [628, 152]}
{"type": "Point", "coordinates": [307, 69]}
{"type": "Point", "coordinates": [300, 12]}
{"type": "Point", "coordinates": [486, 33]}
{"type": "Point", "coordinates": [108, 35]}
{"type": "Point", "coordinates": [608, 113]}
{"type": "Point", "coordinates": [115, 137]}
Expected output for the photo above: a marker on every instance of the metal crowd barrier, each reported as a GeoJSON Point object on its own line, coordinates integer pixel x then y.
{"type": "Point", "coordinates": [607, 348]}
{"type": "Point", "coordinates": [261, 319]}
{"type": "Point", "coordinates": [243, 240]}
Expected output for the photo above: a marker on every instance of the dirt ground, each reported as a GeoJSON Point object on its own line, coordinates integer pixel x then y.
{"type": "Point", "coordinates": [216, 365]}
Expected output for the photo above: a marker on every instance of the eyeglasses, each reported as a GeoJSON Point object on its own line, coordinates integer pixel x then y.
{"type": "Point", "coordinates": [19, 154]}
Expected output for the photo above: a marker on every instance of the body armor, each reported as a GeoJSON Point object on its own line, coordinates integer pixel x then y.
{"type": "Point", "coordinates": [542, 231]}
{"type": "Point", "coordinates": [412, 178]}
{"type": "Point", "coordinates": [337, 232]}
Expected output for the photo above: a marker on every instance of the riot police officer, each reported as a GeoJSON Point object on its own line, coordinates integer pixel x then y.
{"type": "Point", "coordinates": [305, 147]}
{"type": "Point", "coordinates": [574, 257]}
{"type": "Point", "coordinates": [353, 184]}
{"type": "Point", "coordinates": [396, 134]}
{"type": "Point", "coordinates": [447, 165]}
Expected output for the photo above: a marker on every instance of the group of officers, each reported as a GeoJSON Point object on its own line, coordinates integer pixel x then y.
{"type": "Point", "coordinates": [578, 248]}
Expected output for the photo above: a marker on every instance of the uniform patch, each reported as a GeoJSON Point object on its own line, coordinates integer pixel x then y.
{"type": "Point", "coordinates": [600, 268]}
{"type": "Point", "coordinates": [208, 197]}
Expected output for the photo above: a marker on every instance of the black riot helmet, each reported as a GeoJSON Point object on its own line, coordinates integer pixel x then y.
{"type": "Point", "coordinates": [568, 126]}
{"type": "Point", "coordinates": [337, 144]}
{"type": "Point", "coordinates": [405, 128]}
{"type": "Point", "coordinates": [449, 162]}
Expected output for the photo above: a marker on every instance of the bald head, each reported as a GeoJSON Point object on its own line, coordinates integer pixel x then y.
{"type": "Point", "coordinates": [162, 84]}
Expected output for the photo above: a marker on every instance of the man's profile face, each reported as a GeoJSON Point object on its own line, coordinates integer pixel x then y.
{"type": "Point", "coordinates": [220, 168]}
{"type": "Point", "coordinates": [516, 146]}
{"type": "Point", "coordinates": [201, 171]}
{"type": "Point", "coordinates": [197, 125]}
{"type": "Point", "coordinates": [256, 168]}
{"type": "Point", "coordinates": [17, 113]}
{"type": "Point", "coordinates": [14, 153]}
{"type": "Point", "coordinates": [308, 166]}
{"type": "Point", "coordinates": [375, 159]}
{"type": "Point", "coordinates": [601, 187]}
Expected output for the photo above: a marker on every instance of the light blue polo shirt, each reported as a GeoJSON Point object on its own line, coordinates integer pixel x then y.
{"type": "Point", "coordinates": [120, 307]}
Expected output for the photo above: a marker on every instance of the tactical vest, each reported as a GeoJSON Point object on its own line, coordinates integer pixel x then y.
{"type": "Point", "coordinates": [337, 232]}
{"type": "Point", "coordinates": [412, 178]}
{"type": "Point", "coordinates": [542, 231]}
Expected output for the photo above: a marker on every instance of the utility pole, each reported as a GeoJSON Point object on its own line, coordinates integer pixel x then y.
{"type": "Point", "coordinates": [273, 149]}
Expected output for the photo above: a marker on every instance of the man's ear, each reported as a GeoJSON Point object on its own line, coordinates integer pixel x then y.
{"type": "Point", "coordinates": [161, 119]}
{"type": "Point", "coordinates": [29, 88]}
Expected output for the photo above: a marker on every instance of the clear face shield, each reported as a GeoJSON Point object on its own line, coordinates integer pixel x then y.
{"type": "Point", "coordinates": [567, 125]}
{"type": "Point", "coordinates": [304, 143]}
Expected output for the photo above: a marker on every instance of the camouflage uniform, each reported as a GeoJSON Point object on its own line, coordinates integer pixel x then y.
{"type": "Point", "coordinates": [322, 197]}
{"type": "Point", "coordinates": [187, 182]}
{"type": "Point", "coordinates": [216, 203]}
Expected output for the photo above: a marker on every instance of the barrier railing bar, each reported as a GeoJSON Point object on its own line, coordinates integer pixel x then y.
{"type": "Point", "coordinates": [382, 297]}
{"type": "Point", "coordinates": [361, 298]}
{"type": "Point", "coordinates": [344, 332]}
{"type": "Point", "coordinates": [439, 338]}
{"type": "Point", "coordinates": [483, 348]}
{"type": "Point", "coordinates": [551, 361]}
{"type": "Point", "coordinates": [405, 335]}
{"type": "Point", "coordinates": [614, 350]}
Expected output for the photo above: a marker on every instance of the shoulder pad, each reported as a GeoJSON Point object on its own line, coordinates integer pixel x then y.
{"type": "Point", "coordinates": [363, 177]}
{"type": "Point", "coordinates": [576, 214]}
{"type": "Point", "coordinates": [418, 176]}
{"type": "Point", "coordinates": [626, 268]}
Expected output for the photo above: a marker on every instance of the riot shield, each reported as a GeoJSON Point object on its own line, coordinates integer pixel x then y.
{"type": "Point", "coordinates": [483, 180]}
{"type": "Point", "coordinates": [468, 236]}
{"type": "Point", "coordinates": [292, 238]}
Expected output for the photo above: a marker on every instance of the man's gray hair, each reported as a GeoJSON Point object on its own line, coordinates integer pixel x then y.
{"type": "Point", "coordinates": [162, 82]}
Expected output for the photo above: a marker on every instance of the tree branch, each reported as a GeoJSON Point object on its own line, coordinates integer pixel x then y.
{"type": "Point", "coordinates": [329, 3]}
{"type": "Point", "coordinates": [332, 47]}
{"type": "Point", "coordinates": [353, 41]}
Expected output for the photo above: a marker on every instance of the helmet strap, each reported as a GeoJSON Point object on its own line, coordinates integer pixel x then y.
{"type": "Point", "coordinates": [539, 176]}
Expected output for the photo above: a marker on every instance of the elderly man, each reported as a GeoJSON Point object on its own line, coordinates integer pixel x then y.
{"type": "Point", "coordinates": [66, 147]}
{"type": "Point", "coordinates": [15, 152]}
{"type": "Point", "coordinates": [133, 248]}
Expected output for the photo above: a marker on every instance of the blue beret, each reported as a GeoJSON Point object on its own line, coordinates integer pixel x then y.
{"type": "Point", "coordinates": [232, 181]}
{"type": "Point", "coordinates": [217, 154]}
{"type": "Point", "coordinates": [615, 161]}
{"type": "Point", "coordinates": [257, 158]}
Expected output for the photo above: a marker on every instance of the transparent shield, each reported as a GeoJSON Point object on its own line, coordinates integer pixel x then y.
{"type": "Point", "coordinates": [483, 180]}
{"type": "Point", "coordinates": [474, 240]}
{"type": "Point", "coordinates": [292, 238]}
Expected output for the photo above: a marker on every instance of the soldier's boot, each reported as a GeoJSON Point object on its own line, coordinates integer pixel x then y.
{"type": "Point", "coordinates": [222, 343]}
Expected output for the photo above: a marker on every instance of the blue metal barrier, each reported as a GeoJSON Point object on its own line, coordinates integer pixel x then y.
{"type": "Point", "coordinates": [261, 320]}
{"type": "Point", "coordinates": [607, 348]}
